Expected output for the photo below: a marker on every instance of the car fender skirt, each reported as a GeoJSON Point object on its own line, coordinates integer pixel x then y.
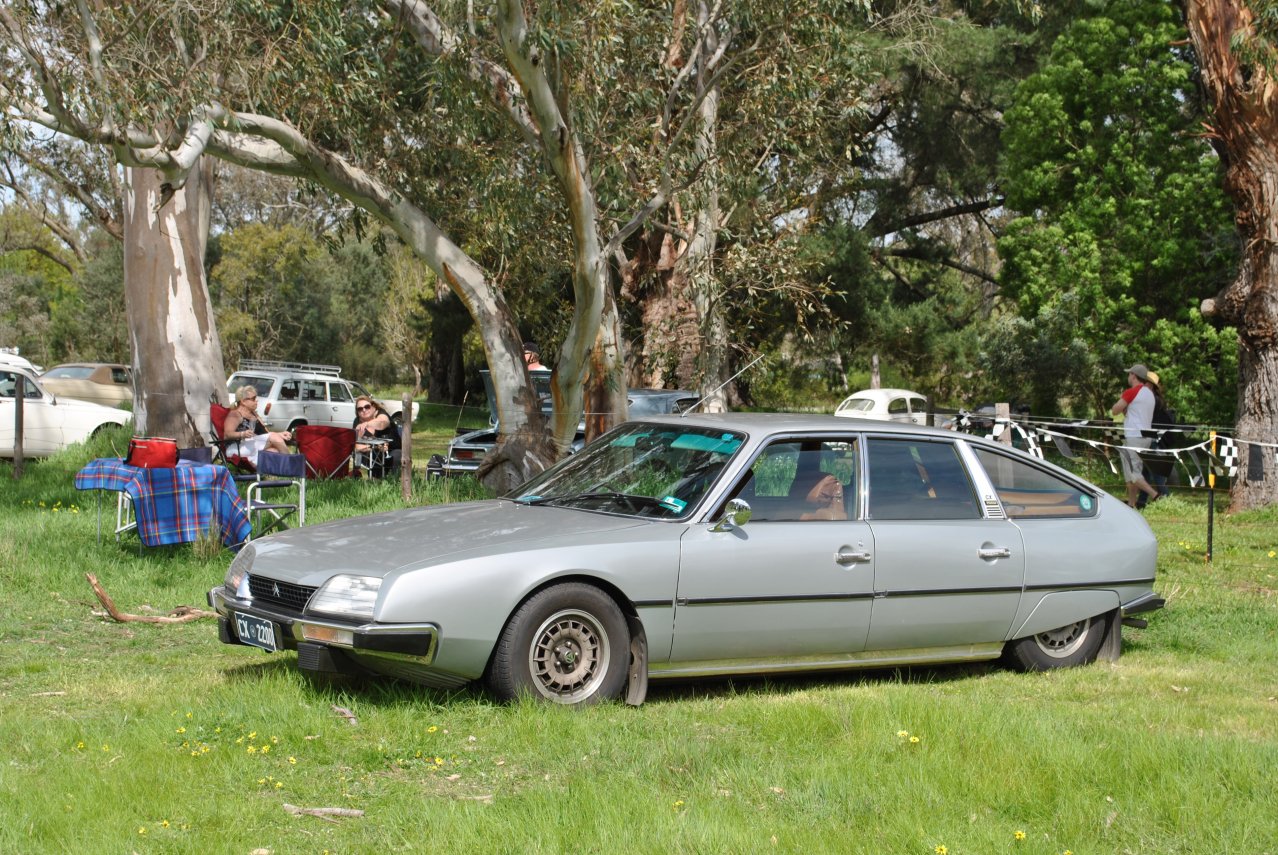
{"type": "Point", "coordinates": [637, 688]}
{"type": "Point", "coordinates": [1061, 608]}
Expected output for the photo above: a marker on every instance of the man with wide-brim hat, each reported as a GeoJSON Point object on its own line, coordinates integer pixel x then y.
{"type": "Point", "coordinates": [1136, 405]}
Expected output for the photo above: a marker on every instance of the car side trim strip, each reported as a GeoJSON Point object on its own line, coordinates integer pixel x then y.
{"type": "Point", "coordinates": [922, 592]}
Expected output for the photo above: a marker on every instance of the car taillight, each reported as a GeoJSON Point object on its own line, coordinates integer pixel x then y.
{"type": "Point", "coordinates": [267, 411]}
{"type": "Point", "coordinates": [463, 455]}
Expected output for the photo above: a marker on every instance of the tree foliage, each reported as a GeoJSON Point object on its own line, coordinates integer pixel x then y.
{"type": "Point", "coordinates": [1124, 228]}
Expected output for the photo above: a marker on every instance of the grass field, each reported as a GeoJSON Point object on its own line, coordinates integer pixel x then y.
{"type": "Point", "coordinates": [130, 737]}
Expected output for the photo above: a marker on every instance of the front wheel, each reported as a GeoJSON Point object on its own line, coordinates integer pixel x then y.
{"type": "Point", "coordinates": [569, 644]}
{"type": "Point", "coordinates": [1064, 647]}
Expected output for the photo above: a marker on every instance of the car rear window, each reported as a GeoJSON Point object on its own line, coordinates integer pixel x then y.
{"type": "Point", "coordinates": [262, 384]}
{"type": "Point", "coordinates": [1028, 492]}
{"type": "Point", "coordinates": [69, 372]}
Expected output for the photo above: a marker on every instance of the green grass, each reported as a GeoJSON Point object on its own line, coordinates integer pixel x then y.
{"type": "Point", "coordinates": [129, 737]}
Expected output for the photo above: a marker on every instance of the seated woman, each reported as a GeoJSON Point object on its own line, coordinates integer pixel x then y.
{"type": "Point", "coordinates": [243, 425]}
{"type": "Point", "coordinates": [372, 420]}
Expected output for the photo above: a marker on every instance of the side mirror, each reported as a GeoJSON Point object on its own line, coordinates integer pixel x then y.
{"type": "Point", "coordinates": [735, 515]}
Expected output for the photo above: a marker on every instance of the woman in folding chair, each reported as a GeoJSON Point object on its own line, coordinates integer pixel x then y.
{"type": "Point", "coordinates": [376, 439]}
{"type": "Point", "coordinates": [243, 425]}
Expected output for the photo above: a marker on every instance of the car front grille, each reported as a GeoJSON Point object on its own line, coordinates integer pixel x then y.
{"type": "Point", "coordinates": [283, 594]}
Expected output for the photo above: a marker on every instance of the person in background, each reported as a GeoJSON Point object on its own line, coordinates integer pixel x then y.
{"type": "Point", "coordinates": [1162, 420]}
{"type": "Point", "coordinates": [251, 435]}
{"type": "Point", "coordinates": [1136, 405]}
{"type": "Point", "coordinates": [532, 356]}
{"type": "Point", "coordinates": [372, 420]}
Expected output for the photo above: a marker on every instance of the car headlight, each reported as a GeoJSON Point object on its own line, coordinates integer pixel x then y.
{"type": "Point", "coordinates": [237, 574]}
{"type": "Point", "coordinates": [353, 596]}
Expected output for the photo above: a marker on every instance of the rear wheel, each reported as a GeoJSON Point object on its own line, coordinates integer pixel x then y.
{"type": "Point", "coordinates": [1064, 647]}
{"type": "Point", "coordinates": [568, 644]}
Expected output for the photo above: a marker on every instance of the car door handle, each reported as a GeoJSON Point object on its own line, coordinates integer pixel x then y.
{"type": "Point", "coordinates": [992, 552]}
{"type": "Point", "coordinates": [846, 556]}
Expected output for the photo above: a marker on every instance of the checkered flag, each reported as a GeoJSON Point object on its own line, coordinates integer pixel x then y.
{"type": "Point", "coordinates": [1226, 460]}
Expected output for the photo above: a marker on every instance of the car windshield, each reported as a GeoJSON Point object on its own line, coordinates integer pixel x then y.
{"type": "Point", "coordinates": [638, 469]}
{"type": "Point", "coordinates": [69, 372]}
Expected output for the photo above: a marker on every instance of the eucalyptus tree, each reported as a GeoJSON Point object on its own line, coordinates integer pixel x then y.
{"type": "Point", "coordinates": [419, 115]}
{"type": "Point", "coordinates": [1236, 44]}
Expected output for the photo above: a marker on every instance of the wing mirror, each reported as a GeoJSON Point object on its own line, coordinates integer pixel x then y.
{"type": "Point", "coordinates": [735, 515]}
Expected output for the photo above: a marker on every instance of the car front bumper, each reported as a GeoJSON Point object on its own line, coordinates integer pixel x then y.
{"type": "Point", "coordinates": [384, 648]}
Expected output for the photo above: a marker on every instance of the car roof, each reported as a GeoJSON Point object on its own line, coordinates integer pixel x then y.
{"type": "Point", "coordinates": [87, 365]}
{"type": "Point", "coordinates": [885, 393]}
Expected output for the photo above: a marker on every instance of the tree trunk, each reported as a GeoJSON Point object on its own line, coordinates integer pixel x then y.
{"type": "Point", "coordinates": [705, 290]}
{"type": "Point", "coordinates": [177, 357]}
{"type": "Point", "coordinates": [1244, 133]}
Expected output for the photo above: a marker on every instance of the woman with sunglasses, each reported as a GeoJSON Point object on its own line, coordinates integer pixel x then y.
{"type": "Point", "coordinates": [372, 420]}
{"type": "Point", "coordinates": [243, 425]}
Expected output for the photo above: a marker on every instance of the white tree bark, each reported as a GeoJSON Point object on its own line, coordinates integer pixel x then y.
{"type": "Point", "coordinates": [177, 356]}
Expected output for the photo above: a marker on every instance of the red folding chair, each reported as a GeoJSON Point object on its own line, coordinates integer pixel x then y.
{"type": "Point", "coordinates": [327, 449]}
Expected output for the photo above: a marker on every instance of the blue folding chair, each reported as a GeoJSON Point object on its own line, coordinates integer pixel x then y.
{"type": "Point", "coordinates": [276, 471]}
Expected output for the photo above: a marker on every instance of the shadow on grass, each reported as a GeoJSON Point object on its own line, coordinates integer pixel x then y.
{"type": "Point", "coordinates": [667, 691]}
{"type": "Point", "coordinates": [392, 692]}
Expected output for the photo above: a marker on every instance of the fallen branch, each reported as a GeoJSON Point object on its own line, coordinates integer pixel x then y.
{"type": "Point", "coordinates": [181, 614]}
{"type": "Point", "coordinates": [324, 812]}
{"type": "Point", "coordinates": [346, 714]}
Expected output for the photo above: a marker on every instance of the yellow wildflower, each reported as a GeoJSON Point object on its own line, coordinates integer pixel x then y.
{"type": "Point", "coordinates": [914, 739]}
{"type": "Point", "coordinates": [901, 734]}
{"type": "Point", "coordinates": [1019, 835]}
{"type": "Point", "coordinates": [941, 849]}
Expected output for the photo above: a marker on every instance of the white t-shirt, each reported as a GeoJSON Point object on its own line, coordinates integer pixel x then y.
{"type": "Point", "coordinates": [1140, 412]}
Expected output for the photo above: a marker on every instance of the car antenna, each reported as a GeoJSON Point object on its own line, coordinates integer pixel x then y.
{"type": "Point", "coordinates": [720, 386]}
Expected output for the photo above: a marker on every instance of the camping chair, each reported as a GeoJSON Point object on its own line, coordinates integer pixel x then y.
{"type": "Point", "coordinates": [241, 468]}
{"type": "Point", "coordinates": [382, 457]}
{"type": "Point", "coordinates": [276, 471]}
{"type": "Point", "coordinates": [200, 455]}
{"type": "Point", "coordinates": [327, 449]}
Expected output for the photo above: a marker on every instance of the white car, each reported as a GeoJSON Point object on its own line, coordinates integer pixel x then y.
{"type": "Point", "coordinates": [49, 423]}
{"type": "Point", "coordinates": [885, 405]}
{"type": "Point", "coordinates": [301, 393]}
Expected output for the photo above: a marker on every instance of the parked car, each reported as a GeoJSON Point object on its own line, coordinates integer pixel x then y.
{"type": "Point", "coordinates": [469, 448]}
{"type": "Point", "coordinates": [692, 546]}
{"type": "Point", "coordinates": [107, 383]}
{"type": "Point", "coordinates": [10, 356]}
{"type": "Point", "coordinates": [303, 393]}
{"type": "Point", "coordinates": [49, 423]}
{"type": "Point", "coordinates": [888, 405]}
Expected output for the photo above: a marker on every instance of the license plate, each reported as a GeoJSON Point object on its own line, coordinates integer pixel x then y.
{"type": "Point", "coordinates": [255, 631]}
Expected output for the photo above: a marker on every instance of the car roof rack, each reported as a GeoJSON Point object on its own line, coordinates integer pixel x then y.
{"type": "Point", "coordinates": [274, 365]}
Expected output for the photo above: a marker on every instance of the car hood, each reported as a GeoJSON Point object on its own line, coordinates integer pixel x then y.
{"type": "Point", "coordinates": [380, 544]}
{"type": "Point", "coordinates": [113, 414]}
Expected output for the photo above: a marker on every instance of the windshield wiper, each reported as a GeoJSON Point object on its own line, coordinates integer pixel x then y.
{"type": "Point", "coordinates": [632, 500]}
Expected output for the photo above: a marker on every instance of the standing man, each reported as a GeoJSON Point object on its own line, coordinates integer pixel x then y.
{"type": "Point", "coordinates": [1137, 406]}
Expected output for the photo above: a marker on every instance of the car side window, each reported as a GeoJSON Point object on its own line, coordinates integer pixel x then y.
{"type": "Point", "coordinates": [1028, 492]}
{"type": "Point", "coordinates": [802, 481]}
{"type": "Point", "coordinates": [289, 390]}
{"type": "Point", "coordinates": [313, 390]}
{"type": "Point", "coordinates": [913, 479]}
{"type": "Point", "coordinates": [898, 406]}
{"type": "Point", "coordinates": [339, 392]}
{"type": "Point", "coordinates": [9, 387]}
{"type": "Point", "coordinates": [120, 375]}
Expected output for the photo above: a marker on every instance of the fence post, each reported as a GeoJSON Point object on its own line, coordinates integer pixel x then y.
{"type": "Point", "coordinates": [1211, 497]}
{"type": "Point", "coordinates": [1003, 416]}
{"type": "Point", "coordinates": [19, 397]}
{"type": "Point", "coordinates": [406, 447]}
